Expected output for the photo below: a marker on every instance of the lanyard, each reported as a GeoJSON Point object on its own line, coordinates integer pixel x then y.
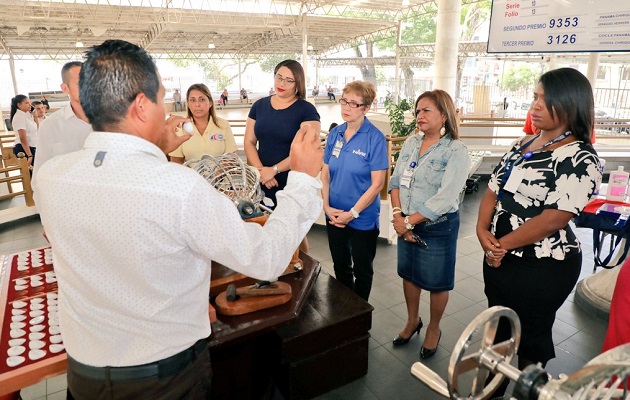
{"type": "Point", "coordinates": [510, 163]}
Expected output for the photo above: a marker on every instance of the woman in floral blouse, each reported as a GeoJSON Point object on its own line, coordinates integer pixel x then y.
{"type": "Point", "coordinates": [532, 257]}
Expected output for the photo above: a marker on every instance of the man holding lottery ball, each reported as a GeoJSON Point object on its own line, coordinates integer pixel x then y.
{"type": "Point", "coordinates": [133, 236]}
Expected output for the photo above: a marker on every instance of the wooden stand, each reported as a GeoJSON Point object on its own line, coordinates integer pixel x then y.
{"type": "Point", "coordinates": [246, 305]}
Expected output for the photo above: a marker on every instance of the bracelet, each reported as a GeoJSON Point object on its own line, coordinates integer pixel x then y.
{"type": "Point", "coordinates": [275, 168]}
{"type": "Point", "coordinates": [397, 212]}
{"type": "Point", "coordinates": [397, 209]}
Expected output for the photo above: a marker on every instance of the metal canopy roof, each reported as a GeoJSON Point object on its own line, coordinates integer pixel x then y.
{"type": "Point", "coordinates": [45, 29]}
{"type": "Point", "coordinates": [31, 29]}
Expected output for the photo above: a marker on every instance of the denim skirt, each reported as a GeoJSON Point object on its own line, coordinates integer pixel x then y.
{"type": "Point", "coordinates": [431, 266]}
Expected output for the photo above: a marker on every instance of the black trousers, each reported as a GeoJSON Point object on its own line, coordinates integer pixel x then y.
{"type": "Point", "coordinates": [191, 383]}
{"type": "Point", "coordinates": [353, 252]}
{"type": "Point", "coordinates": [18, 148]}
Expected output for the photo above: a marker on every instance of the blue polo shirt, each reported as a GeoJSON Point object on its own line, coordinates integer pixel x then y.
{"type": "Point", "coordinates": [351, 171]}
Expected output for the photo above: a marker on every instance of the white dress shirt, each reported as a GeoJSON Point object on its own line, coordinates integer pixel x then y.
{"type": "Point", "coordinates": [22, 120]}
{"type": "Point", "coordinates": [61, 133]}
{"type": "Point", "coordinates": [133, 236]}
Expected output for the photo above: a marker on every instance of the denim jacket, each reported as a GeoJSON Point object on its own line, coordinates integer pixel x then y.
{"type": "Point", "coordinates": [438, 176]}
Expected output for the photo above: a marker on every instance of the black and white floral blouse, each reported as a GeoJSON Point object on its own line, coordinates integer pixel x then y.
{"type": "Point", "coordinates": [563, 179]}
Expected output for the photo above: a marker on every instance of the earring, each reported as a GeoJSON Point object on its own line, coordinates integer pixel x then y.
{"type": "Point", "coordinates": [442, 131]}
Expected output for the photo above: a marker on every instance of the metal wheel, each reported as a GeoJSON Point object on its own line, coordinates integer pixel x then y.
{"type": "Point", "coordinates": [481, 362]}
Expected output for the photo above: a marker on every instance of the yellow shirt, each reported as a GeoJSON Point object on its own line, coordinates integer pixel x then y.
{"type": "Point", "coordinates": [216, 140]}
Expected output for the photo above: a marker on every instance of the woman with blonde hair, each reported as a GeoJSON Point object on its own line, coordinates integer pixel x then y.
{"type": "Point", "coordinates": [355, 166]}
{"type": "Point", "coordinates": [211, 135]}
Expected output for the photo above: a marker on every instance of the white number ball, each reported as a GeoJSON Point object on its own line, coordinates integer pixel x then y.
{"type": "Point", "coordinates": [188, 127]}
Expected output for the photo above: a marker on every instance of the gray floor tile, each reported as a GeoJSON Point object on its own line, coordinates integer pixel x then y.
{"type": "Point", "coordinates": [578, 335]}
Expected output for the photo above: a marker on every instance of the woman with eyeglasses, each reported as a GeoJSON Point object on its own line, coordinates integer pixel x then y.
{"type": "Point", "coordinates": [355, 165]}
{"type": "Point", "coordinates": [272, 124]}
{"type": "Point", "coordinates": [425, 189]}
{"type": "Point", "coordinates": [211, 135]}
{"type": "Point", "coordinates": [532, 258]}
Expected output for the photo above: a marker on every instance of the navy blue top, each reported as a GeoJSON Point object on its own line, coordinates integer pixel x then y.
{"type": "Point", "coordinates": [275, 130]}
{"type": "Point", "coordinates": [351, 172]}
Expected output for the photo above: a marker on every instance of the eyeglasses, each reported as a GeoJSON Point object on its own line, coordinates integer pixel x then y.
{"type": "Point", "coordinates": [418, 240]}
{"type": "Point", "coordinates": [352, 104]}
{"type": "Point", "coordinates": [279, 78]}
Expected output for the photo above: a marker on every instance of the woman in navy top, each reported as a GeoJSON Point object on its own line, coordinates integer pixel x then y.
{"type": "Point", "coordinates": [355, 165]}
{"type": "Point", "coordinates": [272, 124]}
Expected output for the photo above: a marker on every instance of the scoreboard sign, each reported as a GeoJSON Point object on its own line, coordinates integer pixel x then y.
{"type": "Point", "coordinates": [542, 26]}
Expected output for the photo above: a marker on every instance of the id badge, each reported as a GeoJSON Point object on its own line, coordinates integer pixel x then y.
{"type": "Point", "coordinates": [337, 148]}
{"type": "Point", "coordinates": [515, 179]}
{"type": "Point", "coordinates": [405, 179]}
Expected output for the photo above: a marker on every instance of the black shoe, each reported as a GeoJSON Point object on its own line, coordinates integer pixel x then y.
{"type": "Point", "coordinates": [427, 353]}
{"type": "Point", "coordinates": [399, 340]}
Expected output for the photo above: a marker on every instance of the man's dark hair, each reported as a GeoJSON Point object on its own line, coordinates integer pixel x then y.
{"type": "Point", "coordinates": [113, 74]}
{"type": "Point", "coordinates": [66, 67]}
{"type": "Point", "coordinates": [36, 103]}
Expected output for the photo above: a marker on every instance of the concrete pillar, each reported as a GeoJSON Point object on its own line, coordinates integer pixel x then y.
{"type": "Point", "coordinates": [446, 45]}
{"type": "Point", "coordinates": [591, 72]}
{"type": "Point", "coordinates": [305, 50]}
{"type": "Point", "coordinates": [397, 73]}
{"type": "Point", "coordinates": [12, 68]}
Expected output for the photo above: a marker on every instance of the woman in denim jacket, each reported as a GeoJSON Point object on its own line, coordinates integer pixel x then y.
{"type": "Point", "coordinates": [425, 189]}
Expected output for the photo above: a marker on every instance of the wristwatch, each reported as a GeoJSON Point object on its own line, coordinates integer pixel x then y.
{"type": "Point", "coordinates": [408, 224]}
{"type": "Point", "coordinates": [275, 168]}
{"type": "Point", "coordinates": [354, 212]}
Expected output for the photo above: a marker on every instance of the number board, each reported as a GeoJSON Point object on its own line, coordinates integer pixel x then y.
{"type": "Point", "coordinates": [540, 26]}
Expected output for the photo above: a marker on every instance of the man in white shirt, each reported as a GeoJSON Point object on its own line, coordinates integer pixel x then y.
{"type": "Point", "coordinates": [39, 110]}
{"type": "Point", "coordinates": [64, 131]}
{"type": "Point", "coordinates": [133, 237]}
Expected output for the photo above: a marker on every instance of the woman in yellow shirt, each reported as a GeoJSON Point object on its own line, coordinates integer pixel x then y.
{"type": "Point", "coordinates": [211, 135]}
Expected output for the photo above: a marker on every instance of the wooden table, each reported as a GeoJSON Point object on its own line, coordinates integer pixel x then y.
{"type": "Point", "coordinates": [225, 330]}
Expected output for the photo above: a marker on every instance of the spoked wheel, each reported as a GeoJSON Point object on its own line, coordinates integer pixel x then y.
{"type": "Point", "coordinates": [479, 363]}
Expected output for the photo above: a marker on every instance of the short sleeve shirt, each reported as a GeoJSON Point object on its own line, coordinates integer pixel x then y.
{"type": "Point", "coordinates": [214, 141]}
{"type": "Point", "coordinates": [564, 179]}
{"type": "Point", "coordinates": [351, 170]}
{"type": "Point", "coordinates": [22, 120]}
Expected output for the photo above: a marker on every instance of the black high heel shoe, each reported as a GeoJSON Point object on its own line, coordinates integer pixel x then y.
{"type": "Point", "coordinates": [427, 353]}
{"type": "Point", "coordinates": [399, 340]}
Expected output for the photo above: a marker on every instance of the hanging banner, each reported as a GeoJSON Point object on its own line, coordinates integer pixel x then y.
{"type": "Point", "coordinates": [544, 26]}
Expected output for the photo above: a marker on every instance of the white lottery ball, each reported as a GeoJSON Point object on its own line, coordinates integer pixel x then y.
{"type": "Point", "coordinates": [188, 127]}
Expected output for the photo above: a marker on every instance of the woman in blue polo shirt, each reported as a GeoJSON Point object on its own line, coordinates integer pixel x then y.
{"type": "Point", "coordinates": [429, 176]}
{"type": "Point", "coordinates": [355, 164]}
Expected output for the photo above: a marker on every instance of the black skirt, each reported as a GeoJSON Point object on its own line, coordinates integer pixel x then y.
{"type": "Point", "coordinates": [535, 289]}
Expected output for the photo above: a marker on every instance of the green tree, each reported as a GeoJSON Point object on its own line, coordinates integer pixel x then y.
{"type": "Point", "coordinates": [420, 30]}
{"type": "Point", "coordinates": [519, 77]}
{"type": "Point", "coordinates": [268, 62]}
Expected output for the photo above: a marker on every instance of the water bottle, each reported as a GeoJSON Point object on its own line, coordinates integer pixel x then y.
{"type": "Point", "coordinates": [617, 185]}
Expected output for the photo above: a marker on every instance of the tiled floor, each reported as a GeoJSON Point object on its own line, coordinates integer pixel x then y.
{"type": "Point", "coordinates": [578, 335]}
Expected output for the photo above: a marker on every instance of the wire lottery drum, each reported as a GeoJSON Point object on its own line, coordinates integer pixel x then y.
{"type": "Point", "coordinates": [241, 183]}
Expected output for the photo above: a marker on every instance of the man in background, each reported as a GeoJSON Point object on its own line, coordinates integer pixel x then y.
{"type": "Point", "coordinates": [64, 131]}
{"type": "Point", "coordinates": [39, 110]}
{"type": "Point", "coordinates": [177, 101]}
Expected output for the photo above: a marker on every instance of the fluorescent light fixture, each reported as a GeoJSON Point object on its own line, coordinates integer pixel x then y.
{"type": "Point", "coordinates": [211, 45]}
